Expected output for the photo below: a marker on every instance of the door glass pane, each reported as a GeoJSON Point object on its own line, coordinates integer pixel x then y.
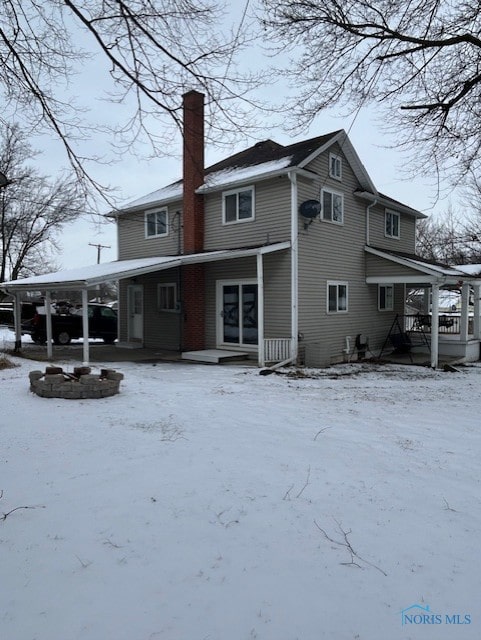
{"type": "Point", "coordinates": [231, 313]}
{"type": "Point", "coordinates": [249, 314]}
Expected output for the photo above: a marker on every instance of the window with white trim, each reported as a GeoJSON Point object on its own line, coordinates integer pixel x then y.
{"type": "Point", "coordinates": [392, 224]}
{"type": "Point", "coordinates": [335, 166]}
{"type": "Point", "coordinates": [337, 293]}
{"type": "Point", "coordinates": [238, 205]}
{"type": "Point", "coordinates": [167, 297]}
{"type": "Point", "coordinates": [156, 223]}
{"type": "Point", "coordinates": [385, 297]}
{"type": "Point", "coordinates": [332, 209]}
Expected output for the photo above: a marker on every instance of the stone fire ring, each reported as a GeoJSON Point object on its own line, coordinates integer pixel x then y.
{"type": "Point", "coordinates": [80, 384]}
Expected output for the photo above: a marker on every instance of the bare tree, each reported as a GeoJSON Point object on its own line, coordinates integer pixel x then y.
{"type": "Point", "coordinates": [32, 210]}
{"type": "Point", "coordinates": [447, 238]}
{"type": "Point", "coordinates": [148, 52]}
{"type": "Point", "coordinates": [419, 59]}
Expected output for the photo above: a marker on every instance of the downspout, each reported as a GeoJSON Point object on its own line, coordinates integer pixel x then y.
{"type": "Point", "coordinates": [294, 268]}
{"type": "Point", "coordinates": [368, 217]}
{"type": "Point", "coordinates": [294, 283]}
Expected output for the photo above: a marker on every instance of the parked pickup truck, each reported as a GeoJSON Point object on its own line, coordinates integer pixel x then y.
{"type": "Point", "coordinates": [68, 326]}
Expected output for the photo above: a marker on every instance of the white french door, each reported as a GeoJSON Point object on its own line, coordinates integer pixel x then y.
{"type": "Point", "coordinates": [237, 313]}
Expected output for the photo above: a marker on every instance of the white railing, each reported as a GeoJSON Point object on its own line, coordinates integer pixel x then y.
{"type": "Point", "coordinates": [277, 349]}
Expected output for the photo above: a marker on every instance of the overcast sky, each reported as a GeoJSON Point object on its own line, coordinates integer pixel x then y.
{"type": "Point", "coordinates": [135, 175]}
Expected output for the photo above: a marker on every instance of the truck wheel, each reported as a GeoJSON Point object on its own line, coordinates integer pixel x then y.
{"type": "Point", "coordinates": [63, 338]}
{"type": "Point", "coordinates": [109, 339]}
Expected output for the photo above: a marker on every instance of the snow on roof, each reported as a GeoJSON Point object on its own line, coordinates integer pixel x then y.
{"type": "Point", "coordinates": [470, 269]}
{"type": "Point", "coordinates": [171, 192]}
{"type": "Point", "coordinates": [241, 174]}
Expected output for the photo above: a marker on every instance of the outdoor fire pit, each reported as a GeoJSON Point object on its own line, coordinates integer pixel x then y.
{"type": "Point", "coordinates": [82, 383]}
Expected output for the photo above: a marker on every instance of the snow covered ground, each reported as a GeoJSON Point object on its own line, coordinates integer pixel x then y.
{"type": "Point", "coordinates": [211, 503]}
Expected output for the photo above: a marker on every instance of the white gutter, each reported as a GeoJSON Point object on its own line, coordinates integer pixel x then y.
{"type": "Point", "coordinates": [294, 267]}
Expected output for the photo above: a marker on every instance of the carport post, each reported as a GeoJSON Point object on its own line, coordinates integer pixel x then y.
{"type": "Point", "coordinates": [435, 327]}
{"type": "Point", "coordinates": [85, 326]}
{"type": "Point", "coordinates": [48, 321]}
{"type": "Point", "coordinates": [17, 314]}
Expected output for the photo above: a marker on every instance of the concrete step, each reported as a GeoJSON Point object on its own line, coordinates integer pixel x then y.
{"type": "Point", "coordinates": [214, 355]}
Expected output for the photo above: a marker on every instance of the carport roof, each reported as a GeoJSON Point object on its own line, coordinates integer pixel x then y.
{"type": "Point", "coordinates": [92, 275]}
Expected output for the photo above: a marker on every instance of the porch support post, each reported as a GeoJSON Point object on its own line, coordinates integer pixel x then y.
{"type": "Point", "coordinates": [435, 326]}
{"type": "Point", "coordinates": [260, 310]}
{"type": "Point", "coordinates": [294, 268]}
{"type": "Point", "coordinates": [463, 328]}
{"type": "Point", "coordinates": [426, 300]}
{"type": "Point", "coordinates": [477, 311]}
{"type": "Point", "coordinates": [85, 326]}
{"type": "Point", "coordinates": [17, 313]}
{"type": "Point", "coordinates": [48, 323]}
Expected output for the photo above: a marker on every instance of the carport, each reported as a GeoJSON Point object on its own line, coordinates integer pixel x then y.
{"type": "Point", "coordinates": [86, 278]}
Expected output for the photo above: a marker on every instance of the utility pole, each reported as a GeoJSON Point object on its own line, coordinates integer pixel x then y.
{"type": "Point", "coordinates": [99, 249]}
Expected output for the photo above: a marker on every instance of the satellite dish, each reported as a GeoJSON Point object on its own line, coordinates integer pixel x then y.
{"type": "Point", "coordinates": [310, 209]}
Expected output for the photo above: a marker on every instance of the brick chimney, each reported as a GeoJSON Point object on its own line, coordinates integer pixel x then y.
{"type": "Point", "coordinates": [193, 174]}
{"type": "Point", "coordinates": [193, 278]}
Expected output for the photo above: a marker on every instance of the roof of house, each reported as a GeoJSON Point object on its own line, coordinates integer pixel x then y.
{"type": "Point", "coordinates": [267, 159]}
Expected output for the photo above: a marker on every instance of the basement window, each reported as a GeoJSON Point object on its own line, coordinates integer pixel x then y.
{"type": "Point", "coordinates": [238, 205]}
{"type": "Point", "coordinates": [156, 223]}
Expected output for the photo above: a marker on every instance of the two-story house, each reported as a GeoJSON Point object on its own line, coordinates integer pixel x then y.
{"type": "Point", "coordinates": [281, 253]}
{"type": "Point", "coordinates": [272, 252]}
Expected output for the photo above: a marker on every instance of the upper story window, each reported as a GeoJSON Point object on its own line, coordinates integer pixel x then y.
{"type": "Point", "coordinates": [337, 297]}
{"type": "Point", "coordinates": [238, 205]}
{"type": "Point", "coordinates": [392, 227]}
{"type": "Point", "coordinates": [335, 166]}
{"type": "Point", "coordinates": [332, 208]}
{"type": "Point", "coordinates": [156, 223]}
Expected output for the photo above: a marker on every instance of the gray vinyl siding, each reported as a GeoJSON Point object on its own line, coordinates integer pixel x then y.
{"type": "Point", "coordinates": [271, 223]}
{"type": "Point", "coordinates": [277, 306]}
{"type": "Point", "coordinates": [132, 242]}
{"type": "Point", "coordinates": [376, 266]}
{"type": "Point", "coordinates": [377, 238]}
{"type": "Point", "coordinates": [331, 252]}
{"type": "Point", "coordinates": [161, 328]}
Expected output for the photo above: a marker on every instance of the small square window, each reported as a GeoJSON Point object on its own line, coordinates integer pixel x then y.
{"type": "Point", "coordinates": [167, 297]}
{"type": "Point", "coordinates": [238, 206]}
{"type": "Point", "coordinates": [156, 223]}
{"type": "Point", "coordinates": [386, 297]}
{"type": "Point", "coordinates": [335, 166]}
{"type": "Point", "coordinates": [392, 224]}
{"type": "Point", "coordinates": [337, 293]}
{"type": "Point", "coordinates": [332, 206]}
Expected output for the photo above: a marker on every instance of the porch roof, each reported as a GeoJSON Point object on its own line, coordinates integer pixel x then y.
{"type": "Point", "coordinates": [92, 275]}
{"type": "Point", "coordinates": [397, 267]}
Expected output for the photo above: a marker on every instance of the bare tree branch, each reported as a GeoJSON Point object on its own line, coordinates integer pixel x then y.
{"type": "Point", "coordinates": [419, 60]}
